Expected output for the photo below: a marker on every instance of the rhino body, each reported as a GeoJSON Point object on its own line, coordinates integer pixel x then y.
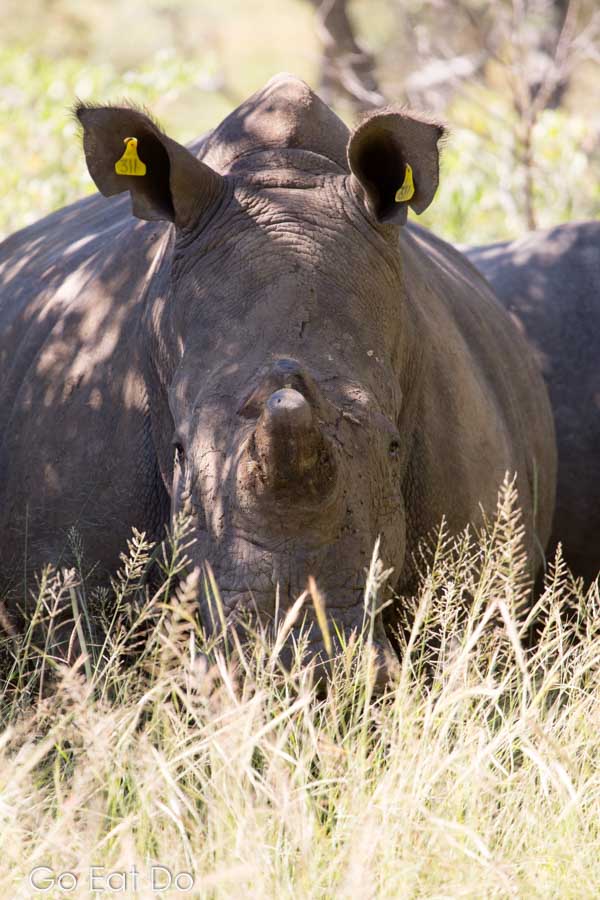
{"type": "Point", "coordinates": [549, 281]}
{"type": "Point", "coordinates": [269, 349]}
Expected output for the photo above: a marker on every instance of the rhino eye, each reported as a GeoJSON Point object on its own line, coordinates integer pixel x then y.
{"type": "Point", "coordinates": [179, 453]}
{"type": "Point", "coordinates": [394, 448]}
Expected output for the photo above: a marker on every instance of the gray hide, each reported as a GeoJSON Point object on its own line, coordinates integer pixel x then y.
{"type": "Point", "coordinates": [549, 281]}
{"type": "Point", "coordinates": [271, 351]}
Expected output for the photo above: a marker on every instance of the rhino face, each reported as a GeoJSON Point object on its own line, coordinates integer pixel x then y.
{"type": "Point", "coordinates": [287, 360]}
{"type": "Point", "coordinates": [285, 405]}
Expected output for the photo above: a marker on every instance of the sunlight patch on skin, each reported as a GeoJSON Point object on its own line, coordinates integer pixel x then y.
{"type": "Point", "coordinates": [78, 245]}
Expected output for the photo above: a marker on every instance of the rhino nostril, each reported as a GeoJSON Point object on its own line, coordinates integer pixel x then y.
{"type": "Point", "coordinates": [179, 452]}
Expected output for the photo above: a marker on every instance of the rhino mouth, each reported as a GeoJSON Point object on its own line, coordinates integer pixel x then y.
{"type": "Point", "coordinates": [303, 641]}
{"type": "Point", "coordinates": [267, 606]}
{"type": "Point", "coordinates": [273, 602]}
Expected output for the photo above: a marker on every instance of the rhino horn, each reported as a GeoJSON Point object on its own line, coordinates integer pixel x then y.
{"type": "Point", "coordinates": [293, 453]}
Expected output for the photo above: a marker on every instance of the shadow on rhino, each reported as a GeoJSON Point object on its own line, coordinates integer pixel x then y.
{"type": "Point", "coordinates": [265, 346]}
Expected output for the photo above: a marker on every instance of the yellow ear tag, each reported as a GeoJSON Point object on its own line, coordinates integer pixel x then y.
{"type": "Point", "coordinates": [130, 163]}
{"type": "Point", "coordinates": [407, 190]}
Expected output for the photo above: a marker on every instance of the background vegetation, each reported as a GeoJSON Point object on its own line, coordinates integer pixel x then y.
{"type": "Point", "coordinates": [515, 80]}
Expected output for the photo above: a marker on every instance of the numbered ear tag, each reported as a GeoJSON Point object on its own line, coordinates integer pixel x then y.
{"type": "Point", "coordinates": [130, 163]}
{"type": "Point", "coordinates": [406, 192]}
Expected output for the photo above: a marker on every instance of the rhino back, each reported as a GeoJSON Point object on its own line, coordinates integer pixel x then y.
{"type": "Point", "coordinates": [484, 407]}
{"type": "Point", "coordinates": [75, 441]}
{"type": "Point", "coordinates": [549, 281]}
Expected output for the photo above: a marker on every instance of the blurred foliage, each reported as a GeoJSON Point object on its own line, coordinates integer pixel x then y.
{"type": "Point", "coordinates": [481, 194]}
{"type": "Point", "coordinates": [43, 164]}
{"type": "Point", "coordinates": [190, 63]}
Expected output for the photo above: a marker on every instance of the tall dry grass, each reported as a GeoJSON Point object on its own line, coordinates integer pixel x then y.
{"type": "Point", "coordinates": [476, 774]}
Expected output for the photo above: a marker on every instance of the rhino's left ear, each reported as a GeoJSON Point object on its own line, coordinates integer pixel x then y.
{"type": "Point", "coordinates": [164, 179]}
{"type": "Point", "coordinates": [394, 159]}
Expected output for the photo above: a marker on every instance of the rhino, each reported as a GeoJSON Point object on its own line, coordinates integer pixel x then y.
{"type": "Point", "coordinates": [264, 345]}
{"type": "Point", "coordinates": [549, 282]}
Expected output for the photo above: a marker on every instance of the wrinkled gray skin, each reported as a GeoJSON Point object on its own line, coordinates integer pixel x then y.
{"type": "Point", "coordinates": [287, 361]}
{"type": "Point", "coordinates": [549, 281]}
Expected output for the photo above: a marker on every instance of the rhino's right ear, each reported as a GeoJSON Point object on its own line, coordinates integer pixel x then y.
{"type": "Point", "coordinates": [176, 186]}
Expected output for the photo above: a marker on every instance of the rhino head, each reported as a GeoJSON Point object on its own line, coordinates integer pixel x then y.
{"type": "Point", "coordinates": [281, 353]}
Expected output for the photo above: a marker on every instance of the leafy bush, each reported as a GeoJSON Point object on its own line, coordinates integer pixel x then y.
{"type": "Point", "coordinates": [43, 164]}
{"type": "Point", "coordinates": [481, 195]}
